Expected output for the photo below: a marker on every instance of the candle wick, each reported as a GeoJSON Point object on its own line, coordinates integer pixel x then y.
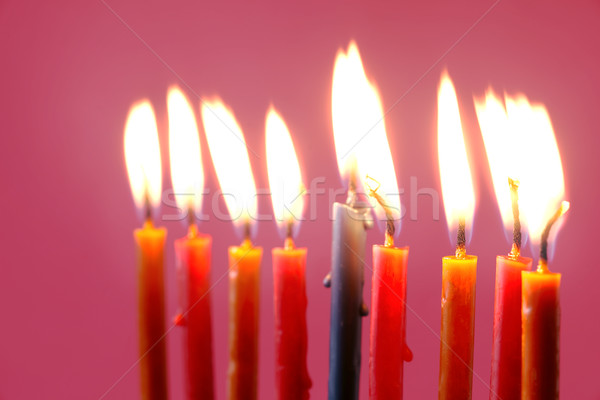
{"type": "Point", "coordinates": [514, 195]}
{"type": "Point", "coordinates": [289, 244]}
{"type": "Point", "coordinates": [351, 199]}
{"type": "Point", "coordinates": [247, 231]}
{"type": "Point", "coordinates": [147, 206]}
{"type": "Point", "coordinates": [390, 228]}
{"type": "Point", "coordinates": [190, 216]}
{"type": "Point", "coordinates": [546, 233]}
{"type": "Point", "coordinates": [461, 239]}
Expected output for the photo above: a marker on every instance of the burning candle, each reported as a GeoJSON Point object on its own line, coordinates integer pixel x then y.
{"type": "Point", "coordinates": [388, 349]}
{"type": "Point", "coordinates": [541, 194]}
{"type": "Point", "coordinates": [192, 251]}
{"type": "Point", "coordinates": [505, 158]}
{"type": "Point", "coordinates": [291, 373]}
{"type": "Point", "coordinates": [350, 221]}
{"type": "Point", "coordinates": [541, 325]}
{"type": "Point", "coordinates": [228, 151]}
{"type": "Point", "coordinates": [142, 157]}
{"type": "Point", "coordinates": [458, 271]}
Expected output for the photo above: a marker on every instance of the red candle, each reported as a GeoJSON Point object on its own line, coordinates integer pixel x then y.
{"type": "Point", "coordinates": [291, 341]}
{"type": "Point", "coordinates": [388, 349]}
{"type": "Point", "coordinates": [193, 268]}
{"type": "Point", "coordinates": [505, 380]}
{"type": "Point", "coordinates": [292, 381]}
{"type": "Point", "coordinates": [192, 251]}
{"type": "Point", "coordinates": [142, 156]}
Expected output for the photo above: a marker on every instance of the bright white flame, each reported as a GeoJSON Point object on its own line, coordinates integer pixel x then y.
{"type": "Point", "coordinates": [187, 175]}
{"type": "Point", "coordinates": [542, 187]}
{"type": "Point", "coordinates": [520, 143]}
{"type": "Point", "coordinates": [457, 184]}
{"type": "Point", "coordinates": [287, 190]}
{"type": "Point", "coordinates": [230, 157]}
{"type": "Point", "coordinates": [359, 130]}
{"type": "Point", "coordinates": [142, 155]}
{"type": "Point", "coordinates": [502, 151]}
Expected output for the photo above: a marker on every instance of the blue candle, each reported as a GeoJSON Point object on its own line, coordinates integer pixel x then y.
{"type": "Point", "coordinates": [346, 281]}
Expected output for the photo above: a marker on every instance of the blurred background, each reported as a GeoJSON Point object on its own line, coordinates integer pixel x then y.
{"type": "Point", "coordinates": [71, 70]}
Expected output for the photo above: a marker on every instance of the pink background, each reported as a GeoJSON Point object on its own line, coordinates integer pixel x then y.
{"type": "Point", "coordinates": [71, 71]}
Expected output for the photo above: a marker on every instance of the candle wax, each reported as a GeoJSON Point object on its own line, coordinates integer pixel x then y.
{"type": "Point", "coordinates": [388, 349]}
{"type": "Point", "coordinates": [150, 243]}
{"type": "Point", "coordinates": [458, 327]}
{"type": "Point", "coordinates": [505, 381]}
{"type": "Point", "coordinates": [291, 342]}
{"type": "Point", "coordinates": [244, 279]}
{"type": "Point", "coordinates": [541, 328]}
{"type": "Point", "coordinates": [347, 308]}
{"type": "Point", "coordinates": [193, 267]}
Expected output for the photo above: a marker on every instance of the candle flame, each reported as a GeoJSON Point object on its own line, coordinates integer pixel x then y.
{"type": "Point", "coordinates": [230, 157]}
{"type": "Point", "coordinates": [360, 138]}
{"type": "Point", "coordinates": [520, 143]}
{"type": "Point", "coordinates": [287, 190]}
{"type": "Point", "coordinates": [502, 149]}
{"type": "Point", "coordinates": [142, 155]}
{"type": "Point", "coordinates": [187, 175]}
{"type": "Point", "coordinates": [455, 173]}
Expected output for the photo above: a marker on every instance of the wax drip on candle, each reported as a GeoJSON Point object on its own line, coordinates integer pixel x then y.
{"type": "Point", "coordinates": [390, 229]}
{"type": "Point", "coordinates": [515, 252]}
{"type": "Point", "coordinates": [543, 264]}
{"type": "Point", "coordinates": [461, 239]}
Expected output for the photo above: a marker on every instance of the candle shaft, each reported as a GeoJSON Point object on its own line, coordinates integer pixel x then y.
{"type": "Point", "coordinates": [346, 281]}
{"type": "Point", "coordinates": [150, 243]}
{"type": "Point", "coordinates": [541, 329]}
{"type": "Point", "coordinates": [291, 341]}
{"type": "Point", "coordinates": [193, 267]}
{"type": "Point", "coordinates": [388, 349]}
{"type": "Point", "coordinates": [458, 327]}
{"type": "Point", "coordinates": [505, 381]}
{"type": "Point", "coordinates": [244, 279]}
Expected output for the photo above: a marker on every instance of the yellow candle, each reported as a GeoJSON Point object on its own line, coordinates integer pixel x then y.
{"type": "Point", "coordinates": [142, 156]}
{"type": "Point", "coordinates": [244, 280]}
{"type": "Point", "coordinates": [150, 243]}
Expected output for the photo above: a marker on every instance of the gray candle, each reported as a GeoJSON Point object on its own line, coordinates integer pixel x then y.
{"type": "Point", "coordinates": [346, 280]}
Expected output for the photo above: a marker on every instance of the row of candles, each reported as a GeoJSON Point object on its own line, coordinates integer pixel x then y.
{"type": "Point", "coordinates": [525, 354]}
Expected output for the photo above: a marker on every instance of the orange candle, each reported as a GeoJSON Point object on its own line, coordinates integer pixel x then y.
{"type": "Point", "coordinates": [458, 326]}
{"type": "Point", "coordinates": [230, 157]}
{"type": "Point", "coordinates": [193, 251]}
{"type": "Point", "coordinates": [244, 279]}
{"type": "Point", "coordinates": [541, 326]}
{"type": "Point", "coordinates": [458, 271]}
{"type": "Point", "coordinates": [150, 243]}
{"type": "Point", "coordinates": [142, 156]}
{"type": "Point", "coordinates": [292, 381]}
